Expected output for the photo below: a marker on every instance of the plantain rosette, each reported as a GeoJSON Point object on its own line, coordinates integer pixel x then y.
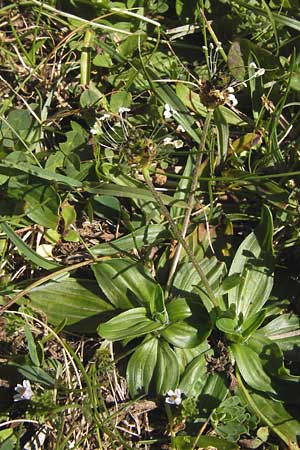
{"type": "Point", "coordinates": [154, 331]}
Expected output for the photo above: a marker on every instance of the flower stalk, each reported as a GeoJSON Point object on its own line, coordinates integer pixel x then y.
{"type": "Point", "coordinates": [191, 198]}
{"type": "Point", "coordinates": [179, 237]}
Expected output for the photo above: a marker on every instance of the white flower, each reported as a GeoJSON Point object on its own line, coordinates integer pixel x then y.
{"type": "Point", "coordinates": [24, 391]}
{"type": "Point", "coordinates": [260, 72]}
{"type": "Point", "coordinates": [174, 397]}
{"type": "Point", "coordinates": [167, 141]}
{"type": "Point", "coordinates": [180, 129]}
{"type": "Point", "coordinates": [230, 89]}
{"type": "Point", "coordinates": [123, 110]}
{"type": "Point", "coordinates": [168, 111]}
{"type": "Point", "coordinates": [232, 100]}
{"type": "Point", "coordinates": [178, 143]}
{"type": "Point", "coordinates": [252, 65]}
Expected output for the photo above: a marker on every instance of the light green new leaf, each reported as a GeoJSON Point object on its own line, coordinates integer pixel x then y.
{"type": "Point", "coordinates": [141, 366]}
{"type": "Point", "coordinates": [167, 368]}
{"type": "Point", "coordinates": [251, 368]}
{"type": "Point", "coordinates": [128, 324]}
{"type": "Point", "coordinates": [77, 301]}
{"type": "Point", "coordinates": [30, 254]}
{"type": "Point", "coordinates": [126, 284]}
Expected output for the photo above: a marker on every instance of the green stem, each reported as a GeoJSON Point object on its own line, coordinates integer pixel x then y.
{"type": "Point", "coordinates": [179, 237]}
{"type": "Point", "coordinates": [191, 198]}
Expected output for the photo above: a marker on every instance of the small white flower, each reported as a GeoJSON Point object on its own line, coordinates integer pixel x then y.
{"type": "Point", "coordinates": [178, 143]}
{"type": "Point", "coordinates": [104, 117]}
{"type": "Point", "coordinates": [252, 65]}
{"type": "Point", "coordinates": [174, 397]}
{"type": "Point", "coordinates": [260, 72]}
{"type": "Point", "coordinates": [24, 391]}
{"type": "Point", "coordinates": [180, 129]}
{"type": "Point", "coordinates": [168, 111]}
{"type": "Point", "coordinates": [230, 89]}
{"type": "Point", "coordinates": [123, 110]}
{"type": "Point", "coordinates": [232, 100]}
{"type": "Point", "coordinates": [167, 141]}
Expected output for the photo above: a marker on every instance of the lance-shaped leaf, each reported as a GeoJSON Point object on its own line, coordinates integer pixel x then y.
{"type": "Point", "coordinates": [273, 414]}
{"type": "Point", "coordinates": [195, 375]}
{"type": "Point", "coordinates": [253, 261]}
{"type": "Point", "coordinates": [189, 323]}
{"type": "Point", "coordinates": [251, 368]}
{"type": "Point", "coordinates": [77, 301]}
{"type": "Point", "coordinates": [127, 284]}
{"type": "Point", "coordinates": [141, 366]}
{"type": "Point", "coordinates": [285, 331]}
{"type": "Point", "coordinates": [129, 324]}
{"type": "Point", "coordinates": [167, 368]}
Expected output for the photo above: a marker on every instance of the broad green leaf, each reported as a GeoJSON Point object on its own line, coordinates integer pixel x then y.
{"type": "Point", "coordinates": [141, 237]}
{"type": "Point", "coordinates": [253, 261]}
{"type": "Point", "coordinates": [212, 394]}
{"type": "Point", "coordinates": [126, 283]}
{"type": "Point", "coordinates": [187, 277]}
{"type": "Point", "coordinates": [91, 96]}
{"type": "Point", "coordinates": [167, 370]}
{"type": "Point", "coordinates": [42, 203]}
{"type": "Point", "coordinates": [272, 413]}
{"type": "Point", "coordinates": [285, 331]}
{"type": "Point", "coordinates": [252, 323]}
{"type": "Point", "coordinates": [103, 60]}
{"type": "Point", "coordinates": [195, 375]}
{"type": "Point", "coordinates": [131, 44]}
{"type": "Point", "coordinates": [205, 442]}
{"type": "Point", "coordinates": [78, 301]}
{"type": "Point", "coordinates": [75, 140]}
{"type": "Point", "coordinates": [186, 355]}
{"type": "Point", "coordinates": [30, 254]}
{"type": "Point", "coordinates": [68, 214]}
{"type": "Point", "coordinates": [250, 366]}
{"type": "Point", "coordinates": [295, 81]}
{"type": "Point", "coordinates": [128, 324]}
{"type": "Point", "coordinates": [189, 323]}
{"type": "Point", "coordinates": [141, 366]}
{"type": "Point", "coordinates": [271, 358]}
{"type": "Point", "coordinates": [120, 99]}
